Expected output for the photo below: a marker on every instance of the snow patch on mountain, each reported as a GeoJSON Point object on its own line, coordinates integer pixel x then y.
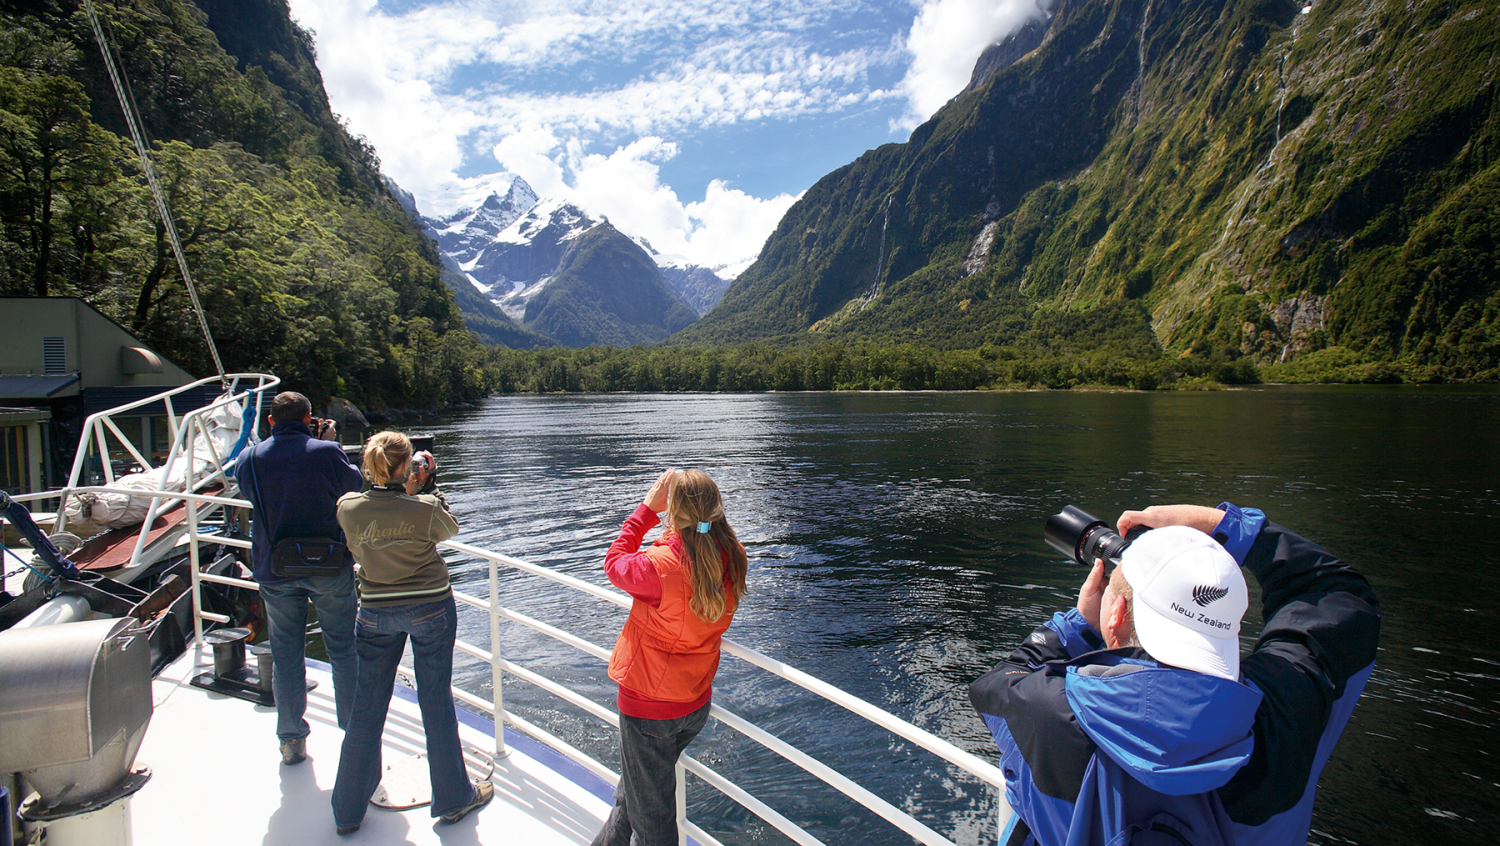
{"type": "Point", "coordinates": [498, 234]}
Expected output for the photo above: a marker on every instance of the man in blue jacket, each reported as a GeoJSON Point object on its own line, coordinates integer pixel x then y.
{"type": "Point", "coordinates": [1132, 718]}
{"type": "Point", "coordinates": [294, 480]}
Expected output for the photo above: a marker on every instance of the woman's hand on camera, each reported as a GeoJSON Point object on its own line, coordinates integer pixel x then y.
{"type": "Point", "coordinates": [418, 475]}
{"type": "Point", "coordinates": [656, 497]}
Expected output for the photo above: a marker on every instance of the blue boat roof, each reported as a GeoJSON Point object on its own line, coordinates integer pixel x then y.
{"type": "Point", "coordinates": [34, 387]}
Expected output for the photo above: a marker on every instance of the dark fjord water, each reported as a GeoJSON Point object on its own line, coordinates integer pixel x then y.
{"type": "Point", "coordinates": [895, 548]}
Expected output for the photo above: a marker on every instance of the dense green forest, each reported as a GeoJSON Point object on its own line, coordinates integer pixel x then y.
{"type": "Point", "coordinates": [835, 366]}
{"type": "Point", "coordinates": [844, 367]}
{"type": "Point", "coordinates": [306, 265]}
{"type": "Point", "coordinates": [309, 268]}
{"type": "Point", "coordinates": [1108, 347]}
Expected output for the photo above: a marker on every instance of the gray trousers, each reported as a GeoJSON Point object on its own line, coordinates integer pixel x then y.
{"type": "Point", "coordinates": [645, 811]}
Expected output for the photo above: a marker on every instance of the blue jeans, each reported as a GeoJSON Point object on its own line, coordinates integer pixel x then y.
{"type": "Point", "coordinates": [645, 811]}
{"type": "Point", "coordinates": [382, 635]}
{"type": "Point", "coordinates": [286, 619]}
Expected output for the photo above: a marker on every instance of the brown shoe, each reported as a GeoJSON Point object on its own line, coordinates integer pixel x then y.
{"type": "Point", "coordinates": [294, 751]}
{"type": "Point", "coordinates": [484, 791]}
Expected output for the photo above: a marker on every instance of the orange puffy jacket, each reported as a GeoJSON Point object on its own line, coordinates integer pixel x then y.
{"type": "Point", "coordinates": [666, 653]}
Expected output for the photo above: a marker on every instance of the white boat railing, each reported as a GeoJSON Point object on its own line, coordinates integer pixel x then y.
{"type": "Point", "coordinates": [246, 391]}
{"type": "Point", "coordinates": [198, 504]}
{"type": "Point", "coordinates": [187, 430]}
{"type": "Point", "coordinates": [974, 766]}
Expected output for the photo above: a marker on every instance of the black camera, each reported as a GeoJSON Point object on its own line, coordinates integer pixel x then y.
{"type": "Point", "coordinates": [320, 426]}
{"type": "Point", "coordinates": [1083, 537]}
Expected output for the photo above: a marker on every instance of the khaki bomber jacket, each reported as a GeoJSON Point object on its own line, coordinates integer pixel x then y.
{"type": "Point", "coordinates": [393, 537]}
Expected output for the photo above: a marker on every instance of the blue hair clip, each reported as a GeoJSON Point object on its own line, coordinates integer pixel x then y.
{"type": "Point", "coordinates": [704, 526]}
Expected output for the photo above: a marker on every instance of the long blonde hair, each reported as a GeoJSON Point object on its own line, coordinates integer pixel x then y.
{"type": "Point", "coordinates": [385, 452]}
{"type": "Point", "coordinates": [693, 498]}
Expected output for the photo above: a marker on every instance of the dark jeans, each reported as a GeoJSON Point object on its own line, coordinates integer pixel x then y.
{"type": "Point", "coordinates": [646, 800]}
{"type": "Point", "coordinates": [286, 621]}
{"type": "Point", "coordinates": [382, 636]}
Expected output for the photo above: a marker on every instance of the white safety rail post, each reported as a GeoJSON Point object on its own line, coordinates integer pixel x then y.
{"type": "Point", "coordinates": [194, 426]}
{"type": "Point", "coordinates": [979, 769]}
{"type": "Point", "coordinates": [96, 425]}
{"type": "Point", "coordinates": [263, 386]}
{"type": "Point", "coordinates": [185, 430]}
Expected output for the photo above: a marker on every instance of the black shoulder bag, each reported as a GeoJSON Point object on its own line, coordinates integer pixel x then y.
{"type": "Point", "coordinates": [296, 558]}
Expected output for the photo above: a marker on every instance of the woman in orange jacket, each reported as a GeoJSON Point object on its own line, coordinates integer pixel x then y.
{"type": "Point", "coordinates": [686, 588]}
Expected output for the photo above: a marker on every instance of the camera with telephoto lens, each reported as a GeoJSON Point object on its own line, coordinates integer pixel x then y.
{"type": "Point", "coordinates": [1083, 537]}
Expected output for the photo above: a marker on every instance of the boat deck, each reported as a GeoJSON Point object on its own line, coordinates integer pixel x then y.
{"type": "Point", "coordinates": [198, 737]}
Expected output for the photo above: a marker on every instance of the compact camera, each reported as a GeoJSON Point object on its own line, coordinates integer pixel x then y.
{"type": "Point", "coordinates": [420, 464]}
{"type": "Point", "coordinates": [1083, 537]}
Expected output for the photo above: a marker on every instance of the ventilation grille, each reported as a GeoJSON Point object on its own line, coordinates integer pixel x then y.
{"type": "Point", "coordinates": [54, 357]}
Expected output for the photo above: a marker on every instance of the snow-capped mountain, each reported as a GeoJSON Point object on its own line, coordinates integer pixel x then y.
{"type": "Point", "coordinates": [508, 243]}
{"type": "Point", "coordinates": [468, 235]}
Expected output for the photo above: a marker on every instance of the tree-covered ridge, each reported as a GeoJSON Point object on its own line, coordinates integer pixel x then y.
{"type": "Point", "coordinates": [854, 366]}
{"type": "Point", "coordinates": [1267, 183]}
{"type": "Point", "coordinates": [306, 266]}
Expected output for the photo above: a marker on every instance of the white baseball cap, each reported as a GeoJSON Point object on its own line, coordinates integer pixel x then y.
{"type": "Point", "coordinates": [1189, 598]}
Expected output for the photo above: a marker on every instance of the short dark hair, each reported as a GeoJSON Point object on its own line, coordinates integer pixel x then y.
{"type": "Point", "coordinates": [289, 405]}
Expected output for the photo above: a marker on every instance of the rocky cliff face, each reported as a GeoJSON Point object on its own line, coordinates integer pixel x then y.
{"type": "Point", "coordinates": [698, 287]}
{"type": "Point", "coordinates": [1266, 178]}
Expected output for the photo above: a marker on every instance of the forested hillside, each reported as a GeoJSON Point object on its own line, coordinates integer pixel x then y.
{"type": "Point", "coordinates": [306, 265]}
{"type": "Point", "coordinates": [1310, 187]}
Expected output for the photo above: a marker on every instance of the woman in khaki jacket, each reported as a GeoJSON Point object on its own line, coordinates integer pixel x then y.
{"type": "Point", "coordinates": [393, 530]}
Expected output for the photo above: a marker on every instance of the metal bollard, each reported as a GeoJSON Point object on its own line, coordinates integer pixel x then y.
{"type": "Point", "coordinates": [229, 650]}
{"type": "Point", "coordinates": [262, 655]}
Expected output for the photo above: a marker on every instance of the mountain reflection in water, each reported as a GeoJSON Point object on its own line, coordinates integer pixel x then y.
{"type": "Point", "coordinates": [895, 550]}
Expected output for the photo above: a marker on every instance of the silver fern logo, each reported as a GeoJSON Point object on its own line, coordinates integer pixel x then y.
{"type": "Point", "coordinates": [1205, 595]}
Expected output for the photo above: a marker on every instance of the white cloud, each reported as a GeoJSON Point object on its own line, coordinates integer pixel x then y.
{"type": "Point", "coordinates": [447, 81]}
{"type": "Point", "coordinates": [946, 39]}
{"type": "Point", "coordinates": [527, 154]}
{"type": "Point", "coordinates": [726, 228]}
{"type": "Point", "coordinates": [542, 86]}
{"type": "Point", "coordinates": [732, 224]}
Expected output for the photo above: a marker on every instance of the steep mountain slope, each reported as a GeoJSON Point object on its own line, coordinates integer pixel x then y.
{"type": "Point", "coordinates": [1264, 181]}
{"type": "Point", "coordinates": [481, 316]}
{"type": "Point", "coordinates": [608, 291]}
{"type": "Point", "coordinates": [488, 321]}
{"type": "Point", "coordinates": [697, 286]}
{"type": "Point", "coordinates": [467, 238]}
{"type": "Point", "coordinates": [306, 265]}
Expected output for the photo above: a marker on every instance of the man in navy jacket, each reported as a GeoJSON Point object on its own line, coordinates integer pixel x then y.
{"type": "Point", "coordinates": [294, 480]}
{"type": "Point", "coordinates": [1132, 718]}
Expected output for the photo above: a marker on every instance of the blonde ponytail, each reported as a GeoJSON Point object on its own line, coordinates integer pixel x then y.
{"type": "Point", "coordinates": [692, 501]}
{"type": "Point", "coordinates": [385, 452]}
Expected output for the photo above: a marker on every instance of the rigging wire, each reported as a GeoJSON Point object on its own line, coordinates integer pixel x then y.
{"type": "Point", "coordinates": [137, 134]}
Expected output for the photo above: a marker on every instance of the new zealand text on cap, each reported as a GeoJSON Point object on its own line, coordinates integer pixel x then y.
{"type": "Point", "coordinates": [1189, 598]}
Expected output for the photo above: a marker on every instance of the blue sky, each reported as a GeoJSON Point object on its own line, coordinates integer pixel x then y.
{"type": "Point", "coordinates": [693, 123]}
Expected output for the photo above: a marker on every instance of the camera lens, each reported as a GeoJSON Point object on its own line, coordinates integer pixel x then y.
{"type": "Point", "coordinates": [1103, 543]}
{"type": "Point", "coordinates": [1083, 537]}
{"type": "Point", "coordinates": [1068, 530]}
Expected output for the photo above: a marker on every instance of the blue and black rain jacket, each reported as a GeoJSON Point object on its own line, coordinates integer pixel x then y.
{"type": "Point", "coordinates": [1108, 747]}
